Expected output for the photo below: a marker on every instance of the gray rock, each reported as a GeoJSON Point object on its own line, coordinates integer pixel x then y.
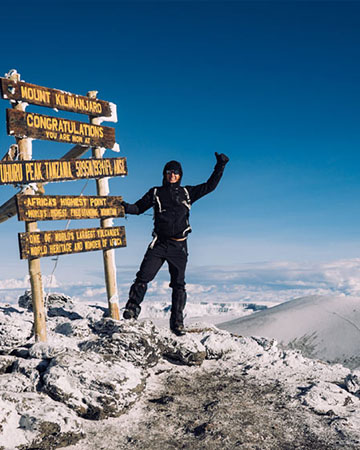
{"type": "Point", "coordinates": [16, 383]}
{"type": "Point", "coordinates": [31, 369]}
{"type": "Point", "coordinates": [5, 363]}
{"type": "Point", "coordinates": [135, 342]}
{"type": "Point", "coordinates": [26, 425]}
{"type": "Point", "coordinates": [51, 301]}
{"type": "Point", "coordinates": [44, 350]}
{"type": "Point", "coordinates": [352, 384]}
{"type": "Point", "coordinates": [95, 386]}
{"type": "Point", "coordinates": [15, 329]}
{"type": "Point", "coordinates": [184, 351]}
{"type": "Point", "coordinates": [220, 345]}
{"type": "Point", "coordinates": [75, 328]}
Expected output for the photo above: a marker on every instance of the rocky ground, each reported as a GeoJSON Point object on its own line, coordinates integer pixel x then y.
{"type": "Point", "coordinates": [209, 408]}
{"type": "Point", "coordinates": [101, 384]}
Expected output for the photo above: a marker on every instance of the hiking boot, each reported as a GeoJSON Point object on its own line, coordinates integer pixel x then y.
{"type": "Point", "coordinates": [131, 311]}
{"type": "Point", "coordinates": [179, 330]}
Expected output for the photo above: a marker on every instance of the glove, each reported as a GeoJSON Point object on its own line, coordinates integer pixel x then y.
{"type": "Point", "coordinates": [126, 206]}
{"type": "Point", "coordinates": [221, 159]}
{"type": "Point", "coordinates": [129, 208]}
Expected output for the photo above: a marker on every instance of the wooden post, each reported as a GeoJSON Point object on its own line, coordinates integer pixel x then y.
{"type": "Point", "coordinates": [102, 187]}
{"type": "Point", "coordinates": [25, 153]}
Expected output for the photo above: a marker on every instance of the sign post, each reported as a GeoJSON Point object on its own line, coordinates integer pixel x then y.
{"type": "Point", "coordinates": [102, 188]}
{"type": "Point", "coordinates": [25, 152]}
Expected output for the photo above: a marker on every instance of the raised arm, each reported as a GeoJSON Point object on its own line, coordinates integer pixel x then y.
{"type": "Point", "coordinates": [200, 190]}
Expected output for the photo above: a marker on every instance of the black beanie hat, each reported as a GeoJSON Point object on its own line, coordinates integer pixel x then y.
{"type": "Point", "coordinates": [173, 165]}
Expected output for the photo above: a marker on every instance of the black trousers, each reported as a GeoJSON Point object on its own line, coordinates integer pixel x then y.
{"type": "Point", "coordinates": [175, 254]}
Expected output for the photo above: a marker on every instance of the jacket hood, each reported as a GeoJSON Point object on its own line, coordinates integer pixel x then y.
{"type": "Point", "coordinates": [172, 165]}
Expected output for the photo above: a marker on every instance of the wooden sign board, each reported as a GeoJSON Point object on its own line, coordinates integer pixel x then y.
{"type": "Point", "coordinates": [50, 170]}
{"type": "Point", "coordinates": [32, 208]}
{"type": "Point", "coordinates": [38, 126]}
{"type": "Point", "coordinates": [63, 242]}
{"type": "Point", "coordinates": [54, 98]}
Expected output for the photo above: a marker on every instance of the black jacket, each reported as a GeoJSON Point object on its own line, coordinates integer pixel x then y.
{"type": "Point", "coordinates": [172, 203]}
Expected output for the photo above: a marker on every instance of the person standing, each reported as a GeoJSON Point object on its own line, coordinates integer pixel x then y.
{"type": "Point", "coordinates": [171, 203]}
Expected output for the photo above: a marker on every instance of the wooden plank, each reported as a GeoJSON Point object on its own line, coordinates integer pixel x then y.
{"type": "Point", "coordinates": [50, 170]}
{"type": "Point", "coordinates": [54, 98]}
{"type": "Point", "coordinates": [8, 209]}
{"type": "Point", "coordinates": [59, 207]}
{"type": "Point", "coordinates": [38, 126]}
{"type": "Point", "coordinates": [64, 242]}
{"type": "Point", "coordinates": [75, 152]}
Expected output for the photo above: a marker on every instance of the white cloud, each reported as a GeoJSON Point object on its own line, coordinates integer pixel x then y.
{"type": "Point", "coordinates": [94, 292]}
{"type": "Point", "coordinates": [265, 282]}
{"type": "Point", "coordinates": [24, 283]}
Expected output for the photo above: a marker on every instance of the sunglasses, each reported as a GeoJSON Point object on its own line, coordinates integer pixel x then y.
{"type": "Point", "coordinates": [175, 172]}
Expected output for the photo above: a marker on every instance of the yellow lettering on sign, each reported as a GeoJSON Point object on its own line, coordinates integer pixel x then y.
{"type": "Point", "coordinates": [65, 137]}
{"type": "Point", "coordinates": [81, 212]}
{"type": "Point", "coordinates": [108, 212]}
{"type": "Point", "coordinates": [75, 103]}
{"type": "Point", "coordinates": [64, 236]}
{"type": "Point", "coordinates": [51, 135]}
{"type": "Point", "coordinates": [96, 202]}
{"type": "Point", "coordinates": [58, 170]}
{"type": "Point", "coordinates": [30, 120]}
{"type": "Point", "coordinates": [119, 167]}
{"type": "Point", "coordinates": [29, 171]}
{"type": "Point", "coordinates": [60, 248]}
{"type": "Point", "coordinates": [78, 246]}
{"type": "Point", "coordinates": [108, 232]}
{"type": "Point", "coordinates": [39, 202]}
{"type": "Point", "coordinates": [11, 173]}
{"type": "Point", "coordinates": [36, 213]}
{"type": "Point", "coordinates": [63, 129]}
{"type": "Point", "coordinates": [93, 245]}
{"type": "Point", "coordinates": [39, 95]}
{"type": "Point", "coordinates": [34, 238]}
{"type": "Point", "coordinates": [85, 234]}
{"type": "Point", "coordinates": [73, 202]}
{"type": "Point", "coordinates": [76, 139]}
{"type": "Point", "coordinates": [58, 213]}
{"type": "Point", "coordinates": [116, 242]}
{"type": "Point", "coordinates": [38, 250]}
{"type": "Point", "coordinates": [38, 172]}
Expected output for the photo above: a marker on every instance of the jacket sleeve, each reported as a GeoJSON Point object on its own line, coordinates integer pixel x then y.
{"type": "Point", "coordinates": [142, 205]}
{"type": "Point", "coordinates": [198, 191]}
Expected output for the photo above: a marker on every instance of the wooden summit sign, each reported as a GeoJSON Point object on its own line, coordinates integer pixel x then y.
{"type": "Point", "coordinates": [39, 126]}
{"type": "Point", "coordinates": [58, 207]}
{"type": "Point", "coordinates": [49, 170]}
{"type": "Point", "coordinates": [54, 98]}
{"type": "Point", "coordinates": [63, 242]}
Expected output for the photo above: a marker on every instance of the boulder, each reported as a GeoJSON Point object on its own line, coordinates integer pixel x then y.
{"type": "Point", "coordinates": [95, 386]}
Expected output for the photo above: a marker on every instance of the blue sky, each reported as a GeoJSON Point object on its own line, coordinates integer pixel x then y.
{"type": "Point", "coordinates": [274, 85]}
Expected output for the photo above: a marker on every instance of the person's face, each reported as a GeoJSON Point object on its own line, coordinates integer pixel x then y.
{"type": "Point", "coordinates": [172, 176]}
